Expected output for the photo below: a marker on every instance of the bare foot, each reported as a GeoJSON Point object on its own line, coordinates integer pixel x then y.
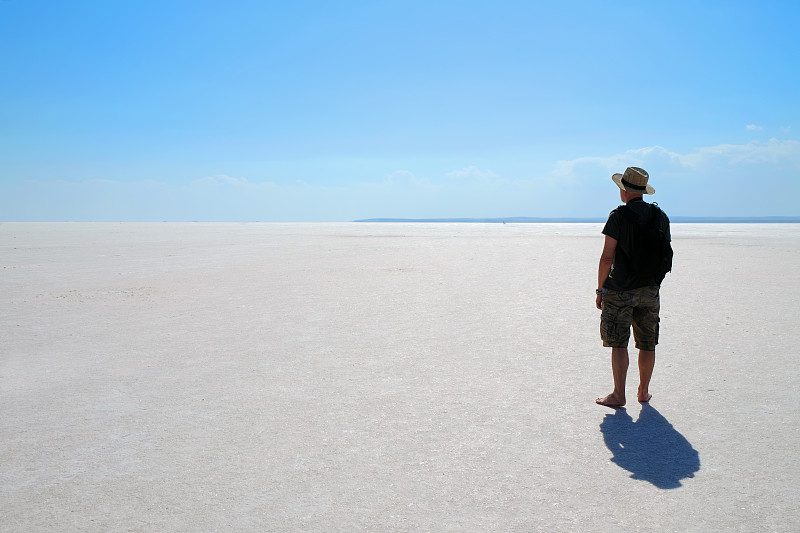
{"type": "Point", "coordinates": [644, 398]}
{"type": "Point", "coordinates": [611, 400]}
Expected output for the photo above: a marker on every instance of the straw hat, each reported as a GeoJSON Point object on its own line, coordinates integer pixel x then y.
{"type": "Point", "coordinates": [634, 180]}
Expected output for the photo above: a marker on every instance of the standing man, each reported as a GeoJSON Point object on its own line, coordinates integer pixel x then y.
{"type": "Point", "coordinates": [636, 256]}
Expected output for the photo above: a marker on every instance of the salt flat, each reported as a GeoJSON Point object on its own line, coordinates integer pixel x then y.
{"type": "Point", "coordinates": [388, 377]}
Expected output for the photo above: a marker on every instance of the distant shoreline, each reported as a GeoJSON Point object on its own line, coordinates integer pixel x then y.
{"type": "Point", "coordinates": [534, 220]}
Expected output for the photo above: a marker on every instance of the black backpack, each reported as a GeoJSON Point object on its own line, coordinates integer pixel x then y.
{"type": "Point", "coordinates": [647, 246]}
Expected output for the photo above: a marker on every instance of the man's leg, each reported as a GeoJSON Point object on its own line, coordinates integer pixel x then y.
{"type": "Point", "coordinates": [645, 330]}
{"type": "Point", "coordinates": [619, 367]}
{"type": "Point", "coordinates": [647, 361]}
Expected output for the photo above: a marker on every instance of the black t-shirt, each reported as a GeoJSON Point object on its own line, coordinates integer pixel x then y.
{"type": "Point", "coordinates": [620, 278]}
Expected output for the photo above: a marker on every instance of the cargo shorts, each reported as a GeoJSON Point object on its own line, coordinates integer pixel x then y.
{"type": "Point", "coordinates": [622, 309]}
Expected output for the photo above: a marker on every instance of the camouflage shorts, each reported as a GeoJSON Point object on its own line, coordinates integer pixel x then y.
{"type": "Point", "coordinates": [623, 309]}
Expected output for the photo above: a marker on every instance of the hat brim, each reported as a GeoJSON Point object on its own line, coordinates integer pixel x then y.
{"type": "Point", "coordinates": [617, 178]}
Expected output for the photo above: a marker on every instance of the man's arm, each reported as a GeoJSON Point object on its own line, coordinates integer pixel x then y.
{"type": "Point", "coordinates": [606, 260]}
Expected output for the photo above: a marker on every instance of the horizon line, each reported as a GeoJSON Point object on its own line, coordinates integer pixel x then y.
{"type": "Point", "coordinates": [534, 220]}
{"type": "Point", "coordinates": [475, 220]}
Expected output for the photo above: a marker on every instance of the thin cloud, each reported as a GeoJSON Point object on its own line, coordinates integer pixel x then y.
{"type": "Point", "coordinates": [474, 173]}
{"type": "Point", "coordinates": [222, 179]}
{"type": "Point", "coordinates": [774, 150]}
{"type": "Point", "coordinates": [569, 170]}
{"type": "Point", "coordinates": [401, 176]}
{"type": "Point", "coordinates": [754, 127]}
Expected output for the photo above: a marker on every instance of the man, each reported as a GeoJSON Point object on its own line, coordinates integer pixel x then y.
{"type": "Point", "coordinates": [627, 283]}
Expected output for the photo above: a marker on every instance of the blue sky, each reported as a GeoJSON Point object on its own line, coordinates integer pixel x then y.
{"type": "Point", "coordinates": [334, 111]}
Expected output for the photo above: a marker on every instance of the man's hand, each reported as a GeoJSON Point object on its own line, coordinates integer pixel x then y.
{"type": "Point", "coordinates": [599, 301]}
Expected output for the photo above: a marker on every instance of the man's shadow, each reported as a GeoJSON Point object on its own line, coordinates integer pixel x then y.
{"type": "Point", "coordinates": [650, 448]}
